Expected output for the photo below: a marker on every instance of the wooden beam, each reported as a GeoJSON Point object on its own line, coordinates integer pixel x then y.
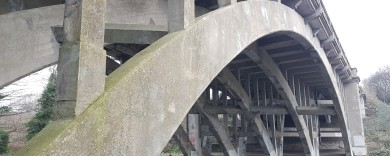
{"type": "Point", "coordinates": [266, 63]}
{"type": "Point", "coordinates": [238, 92]}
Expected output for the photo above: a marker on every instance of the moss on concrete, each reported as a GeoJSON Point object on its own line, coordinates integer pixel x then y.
{"type": "Point", "coordinates": [42, 140]}
{"type": "Point", "coordinates": [42, 143]}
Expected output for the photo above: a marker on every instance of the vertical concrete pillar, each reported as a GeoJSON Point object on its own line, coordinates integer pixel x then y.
{"type": "Point", "coordinates": [315, 136]}
{"type": "Point", "coordinates": [280, 138]}
{"type": "Point", "coordinates": [354, 116]}
{"type": "Point", "coordinates": [193, 133]}
{"type": "Point", "coordinates": [222, 3]}
{"type": "Point", "coordinates": [241, 148]}
{"type": "Point", "coordinates": [181, 13]}
{"type": "Point", "coordinates": [15, 5]}
{"type": "Point", "coordinates": [81, 64]}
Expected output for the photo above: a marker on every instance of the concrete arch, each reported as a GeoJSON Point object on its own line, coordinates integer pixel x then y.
{"type": "Point", "coordinates": [146, 98]}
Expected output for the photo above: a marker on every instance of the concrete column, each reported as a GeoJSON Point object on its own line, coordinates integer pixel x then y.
{"type": "Point", "coordinates": [241, 148]}
{"type": "Point", "coordinates": [242, 140]}
{"type": "Point", "coordinates": [181, 13]}
{"type": "Point", "coordinates": [82, 60]}
{"type": "Point", "coordinates": [15, 5]}
{"type": "Point", "coordinates": [184, 143]}
{"type": "Point", "coordinates": [193, 133]}
{"type": "Point", "coordinates": [316, 139]}
{"type": "Point", "coordinates": [280, 138]}
{"type": "Point", "coordinates": [354, 116]}
{"type": "Point", "coordinates": [222, 3]}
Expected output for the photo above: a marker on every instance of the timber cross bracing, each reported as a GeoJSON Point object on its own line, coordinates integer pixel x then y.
{"type": "Point", "coordinates": [252, 77]}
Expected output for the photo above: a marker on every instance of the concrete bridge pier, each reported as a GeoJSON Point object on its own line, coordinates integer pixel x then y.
{"type": "Point", "coordinates": [82, 60]}
{"type": "Point", "coordinates": [354, 115]}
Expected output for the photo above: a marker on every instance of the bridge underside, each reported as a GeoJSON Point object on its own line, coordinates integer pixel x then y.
{"type": "Point", "coordinates": [253, 78]}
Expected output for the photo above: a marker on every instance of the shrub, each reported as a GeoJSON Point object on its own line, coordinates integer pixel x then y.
{"type": "Point", "coordinates": [383, 153]}
{"type": "Point", "coordinates": [45, 113]}
{"type": "Point", "coordinates": [5, 109]}
{"type": "Point", "coordinates": [4, 140]}
{"type": "Point", "coordinates": [174, 150]}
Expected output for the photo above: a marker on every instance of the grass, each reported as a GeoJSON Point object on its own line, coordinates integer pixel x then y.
{"type": "Point", "coordinates": [377, 127]}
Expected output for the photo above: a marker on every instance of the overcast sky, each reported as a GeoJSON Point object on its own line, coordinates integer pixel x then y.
{"type": "Point", "coordinates": [363, 28]}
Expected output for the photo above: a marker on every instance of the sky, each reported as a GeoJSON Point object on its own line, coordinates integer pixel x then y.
{"type": "Point", "coordinates": [363, 28]}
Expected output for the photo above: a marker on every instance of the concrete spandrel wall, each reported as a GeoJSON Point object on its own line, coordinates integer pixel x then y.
{"type": "Point", "coordinates": [137, 12]}
{"type": "Point", "coordinates": [27, 42]}
{"type": "Point", "coordinates": [5, 5]}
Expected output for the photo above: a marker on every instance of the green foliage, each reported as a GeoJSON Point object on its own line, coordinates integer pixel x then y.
{"type": "Point", "coordinates": [383, 153]}
{"type": "Point", "coordinates": [4, 140]}
{"type": "Point", "coordinates": [45, 114]}
{"type": "Point", "coordinates": [174, 150]}
{"type": "Point", "coordinates": [5, 109]}
{"type": "Point", "coordinates": [216, 148]}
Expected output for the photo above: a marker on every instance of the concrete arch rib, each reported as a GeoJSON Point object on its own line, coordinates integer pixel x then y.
{"type": "Point", "coordinates": [147, 98]}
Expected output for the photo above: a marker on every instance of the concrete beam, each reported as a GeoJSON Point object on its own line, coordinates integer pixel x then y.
{"type": "Point", "coordinates": [218, 130]}
{"type": "Point", "coordinates": [269, 110]}
{"type": "Point", "coordinates": [266, 63]}
{"type": "Point", "coordinates": [124, 33]}
{"type": "Point", "coordinates": [304, 110]}
{"type": "Point", "coordinates": [185, 144]}
{"type": "Point", "coordinates": [82, 59]}
{"type": "Point", "coordinates": [238, 92]}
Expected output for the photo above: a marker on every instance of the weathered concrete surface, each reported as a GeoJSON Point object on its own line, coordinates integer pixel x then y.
{"type": "Point", "coordinates": [7, 6]}
{"type": "Point", "coordinates": [82, 60]}
{"type": "Point", "coordinates": [28, 44]}
{"type": "Point", "coordinates": [164, 93]}
{"type": "Point", "coordinates": [181, 13]}
{"type": "Point", "coordinates": [355, 122]}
